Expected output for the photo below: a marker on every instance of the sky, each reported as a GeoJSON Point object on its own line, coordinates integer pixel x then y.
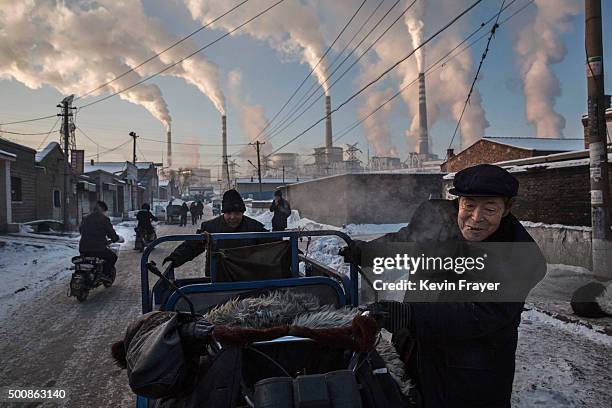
{"type": "Point", "coordinates": [532, 82]}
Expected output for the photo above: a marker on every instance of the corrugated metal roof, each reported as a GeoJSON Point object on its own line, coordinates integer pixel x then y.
{"type": "Point", "coordinates": [540, 143]}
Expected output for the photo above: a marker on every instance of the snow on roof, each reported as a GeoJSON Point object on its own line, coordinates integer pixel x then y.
{"type": "Point", "coordinates": [540, 143]}
{"type": "Point", "coordinates": [110, 167]}
{"type": "Point", "coordinates": [40, 156]}
{"type": "Point", "coordinates": [163, 183]}
{"type": "Point", "coordinates": [144, 165]}
{"type": "Point", "coordinates": [266, 180]}
{"type": "Point", "coordinates": [3, 153]}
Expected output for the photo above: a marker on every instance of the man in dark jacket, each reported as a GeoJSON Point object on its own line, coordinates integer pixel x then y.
{"type": "Point", "coordinates": [232, 219]}
{"type": "Point", "coordinates": [183, 211]}
{"type": "Point", "coordinates": [144, 217]}
{"type": "Point", "coordinates": [462, 353]}
{"type": "Point", "coordinates": [282, 210]}
{"type": "Point", "coordinates": [95, 229]}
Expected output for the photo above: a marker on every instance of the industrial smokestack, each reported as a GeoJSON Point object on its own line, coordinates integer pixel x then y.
{"type": "Point", "coordinates": [169, 147]}
{"type": "Point", "coordinates": [423, 137]}
{"type": "Point", "coordinates": [225, 170]}
{"type": "Point", "coordinates": [328, 123]}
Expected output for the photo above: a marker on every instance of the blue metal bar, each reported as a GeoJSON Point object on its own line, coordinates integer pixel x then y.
{"type": "Point", "coordinates": [295, 264]}
{"type": "Point", "coordinates": [144, 274]}
{"type": "Point", "coordinates": [270, 283]}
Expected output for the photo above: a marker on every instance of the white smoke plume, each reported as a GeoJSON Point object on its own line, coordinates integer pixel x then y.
{"type": "Point", "coordinates": [376, 127]}
{"type": "Point", "coordinates": [538, 46]}
{"type": "Point", "coordinates": [69, 46]}
{"type": "Point", "coordinates": [252, 117]}
{"type": "Point", "coordinates": [292, 27]}
{"type": "Point", "coordinates": [414, 22]}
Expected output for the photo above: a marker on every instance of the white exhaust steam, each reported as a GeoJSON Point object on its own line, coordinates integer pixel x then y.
{"type": "Point", "coordinates": [538, 47]}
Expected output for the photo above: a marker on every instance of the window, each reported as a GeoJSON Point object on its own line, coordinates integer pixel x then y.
{"type": "Point", "coordinates": [57, 201]}
{"type": "Point", "coordinates": [16, 189]}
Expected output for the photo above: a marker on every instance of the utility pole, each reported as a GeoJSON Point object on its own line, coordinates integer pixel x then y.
{"type": "Point", "coordinates": [598, 153]}
{"type": "Point", "coordinates": [257, 144]}
{"type": "Point", "coordinates": [134, 136]}
{"type": "Point", "coordinates": [66, 108]}
{"type": "Point", "coordinates": [134, 187]}
{"type": "Point", "coordinates": [283, 174]}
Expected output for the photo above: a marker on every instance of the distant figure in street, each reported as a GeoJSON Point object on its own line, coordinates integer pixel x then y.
{"type": "Point", "coordinates": [282, 210]}
{"type": "Point", "coordinates": [193, 209]}
{"type": "Point", "coordinates": [200, 206]}
{"type": "Point", "coordinates": [184, 210]}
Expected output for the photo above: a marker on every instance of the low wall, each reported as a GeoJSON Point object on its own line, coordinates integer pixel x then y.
{"type": "Point", "coordinates": [563, 244]}
{"type": "Point", "coordinates": [363, 198]}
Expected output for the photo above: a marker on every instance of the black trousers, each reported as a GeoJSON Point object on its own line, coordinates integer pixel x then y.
{"type": "Point", "coordinates": [109, 258]}
{"type": "Point", "coordinates": [183, 220]}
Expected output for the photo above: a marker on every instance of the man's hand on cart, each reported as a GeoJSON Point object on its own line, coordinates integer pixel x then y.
{"type": "Point", "coordinates": [351, 254]}
{"type": "Point", "coordinates": [196, 331]}
{"type": "Point", "coordinates": [395, 317]}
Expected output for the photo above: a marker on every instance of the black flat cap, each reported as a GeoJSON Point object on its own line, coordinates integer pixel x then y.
{"type": "Point", "coordinates": [484, 180]}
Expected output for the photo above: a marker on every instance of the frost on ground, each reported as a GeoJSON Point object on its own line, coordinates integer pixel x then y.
{"type": "Point", "coordinates": [28, 267]}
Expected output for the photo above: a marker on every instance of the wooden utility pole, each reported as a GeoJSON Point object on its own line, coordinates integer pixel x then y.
{"type": "Point", "coordinates": [257, 144]}
{"type": "Point", "coordinates": [66, 108]}
{"type": "Point", "coordinates": [601, 239]}
{"type": "Point", "coordinates": [134, 136]}
{"type": "Point", "coordinates": [133, 187]}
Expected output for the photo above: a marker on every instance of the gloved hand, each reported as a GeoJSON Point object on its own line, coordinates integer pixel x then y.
{"type": "Point", "coordinates": [390, 315]}
{"type": "Point", "coordinates": [351, 254]}
{"type": "Point", "coordinates": [198, 330]}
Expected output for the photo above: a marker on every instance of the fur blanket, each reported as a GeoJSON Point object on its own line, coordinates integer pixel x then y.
{"type": "Point", "coordinates": [285, 308]}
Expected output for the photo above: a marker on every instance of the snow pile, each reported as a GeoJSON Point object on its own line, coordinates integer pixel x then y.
{"type": "Point", "coordinates": [323, 249]}
{"type": "Point", "coordinates": [28, 267]}
{"type": "Point", "coordinates": [126, 230]}
{"type": "Point", "coordinates": [534, 316]}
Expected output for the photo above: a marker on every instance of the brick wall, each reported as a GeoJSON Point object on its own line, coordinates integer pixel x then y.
{"type": "Point", "coordinates": [483, 151]}
{"type": "Point", "coordinates": [24, 168]}
{"type": "Point", "coordinates": [50, 178]}
{"type": "Point", "coordinates": [553, 196]}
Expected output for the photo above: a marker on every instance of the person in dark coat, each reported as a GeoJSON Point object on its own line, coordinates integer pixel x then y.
{"type": "Point", "coordinates": [183, 211]}
{"type": "Point", "coordinates": [193, 209]}
{"type": "Point", "coordinates": [232, 219]}
{"type": "Point", "coordinates": [200, 206]}
{"type": "Point", "coordinates": [144, 217]}
{"type": "Point", "coordinates": [95, 230]}
{"type": "Point", "coordinates": [462, 354]}
{"type": "Point", "coordinates": [282, 210]}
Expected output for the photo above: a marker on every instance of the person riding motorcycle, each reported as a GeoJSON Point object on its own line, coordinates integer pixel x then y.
{"type": "Point", "coordinates": [95, 229]}
{"type": "Point", "coordinates": [144, 217]}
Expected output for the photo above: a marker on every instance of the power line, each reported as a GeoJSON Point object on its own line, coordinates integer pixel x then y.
{"type": "Point", "coordinates": [278, 128]}
{"type": "Point", "coordinates": [24, 134]}
{"type": "Point", "coordinates": [187, 57]}
{"type": "Point", "coordinates": [385, 72]}
{"type": "Point", "coordinates": [311, 71]}
{"type": "Point", "coordinates": [482, 58]}
{"type": "Point", "coordinates": [90, 139]}
{"type": "Point", "coordinates": [440, 63]}
{"type": "Point", "coordinates": [194, 144]}
{"type": "Point", "coordinates": [110, 150]}
{"type": "Point", "coordinates": [50, 131]}
{"type": "Point", "coordinates": [28, 120]}
{"type": "Point", "coordinates": [162, 52]}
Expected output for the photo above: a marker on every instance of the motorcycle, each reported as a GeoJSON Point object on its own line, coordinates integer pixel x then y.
{"type": "Point", "coordinates": [89, 274]}
{"type": "Point", "coordinates": [143, 239]}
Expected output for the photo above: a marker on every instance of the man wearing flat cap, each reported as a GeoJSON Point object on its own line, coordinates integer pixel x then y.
{"type": "Point", "coordinates": [232, 219]}
{"type": "Point", "coordinates": [462, 353]}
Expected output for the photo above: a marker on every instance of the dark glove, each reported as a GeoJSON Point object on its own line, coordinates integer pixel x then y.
{"type": "Point", "coordinates": [390, 315]}
{"type": "Point", "coordinates": [196, 331]}
{"type": "Point", "coordinates": [168, 259]}
{"type": "Point", "coordinates": [351, 254]}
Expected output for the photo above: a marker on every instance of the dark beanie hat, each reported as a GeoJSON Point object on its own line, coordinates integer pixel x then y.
{"type": "Point", "coordinates": [484, 180]}
{"type": "Point", "coordinates": [278, 193]}
{"type": "Point", "coordinates": [232, 201]}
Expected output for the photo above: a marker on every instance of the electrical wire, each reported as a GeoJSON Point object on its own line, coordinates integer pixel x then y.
{"type": "Point", "coordinates": [163, 51]}
{"type": "Point", "coordinates": [27, 120]}
{"type": "Point", "coordinates": [194, 144]}
{"type": "Point", "coordinates": [23, 134]}
{"type": "Point", "coordinates": [381, 75]}
{"type": "Point", "coordinates": [50, 131]}
{"type": "Point", "coordinates": [440, 63]}
{"type": "Point", "coordinates": [109, 150]}
{"type": "Point", "coordinates": [482, 59]}
{"type": "Point", "coordinates": [187, 57]}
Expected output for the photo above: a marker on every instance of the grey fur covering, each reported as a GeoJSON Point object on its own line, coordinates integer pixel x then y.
{"type": "Point", "coordinates": [284, 307]}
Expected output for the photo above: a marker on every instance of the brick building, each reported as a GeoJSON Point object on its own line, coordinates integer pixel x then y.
{"type": "Point", "coordinates": [498, 149]}
{"type": "Point", "coordinates": [148, 182]}
{"type": "Point", "coordinates": [554, 189]}
{"type": "Point", "coordinates": [123, 180]}
{"type": "Point", "coordinates": [22, 181]}
{"type": "Point", "coordinates": [50, 164]}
